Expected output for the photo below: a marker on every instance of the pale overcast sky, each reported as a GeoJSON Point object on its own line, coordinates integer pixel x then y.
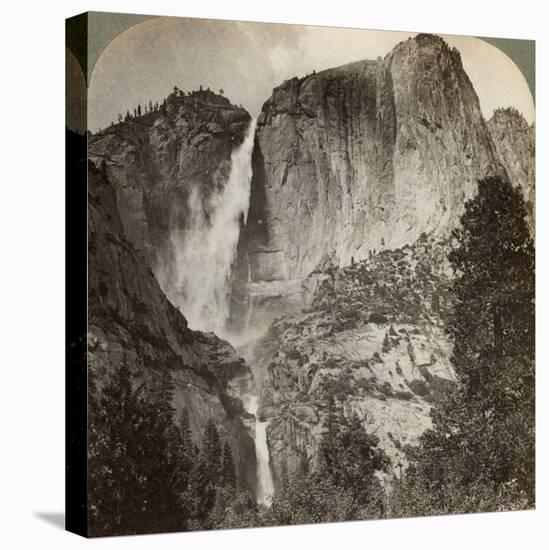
{"type": "Point", "coordinates": [247, 60]}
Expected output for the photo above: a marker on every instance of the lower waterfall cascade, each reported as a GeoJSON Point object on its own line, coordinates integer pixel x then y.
{"type": "Point", "coordinates": [265, 486]}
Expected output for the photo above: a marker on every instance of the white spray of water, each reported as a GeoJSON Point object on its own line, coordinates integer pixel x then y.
{"type": "Point", "coordinates": [265, 487]}
{"type": "Point", "coordinates": [205, 251]}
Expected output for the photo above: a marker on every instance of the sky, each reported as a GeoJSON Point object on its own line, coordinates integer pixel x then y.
{"type": "Point", "coordinates": [247, 60]}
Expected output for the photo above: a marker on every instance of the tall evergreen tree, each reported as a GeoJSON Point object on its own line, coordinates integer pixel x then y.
{"type": "Point", "coordinates": [493, 329]}
{"type": "Point", "coordinates": [212, 450]}
{"type": "Point", "coordinates": [134, 471]}
{"type": "Point", "coordinates": [480, 453]}
{"type": "Point", "coordinates": [494, 285]}
{"type": "Point", "coordinates": [229, 476]}
{"type": "Point", "coordinates": [206, 476]}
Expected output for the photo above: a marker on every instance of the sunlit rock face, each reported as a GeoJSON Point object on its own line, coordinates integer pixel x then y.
{"type": "Point", "coordinates": [132, 323]}
{"type": "Point", "coordinates": [372, 337]}
{"type": "Point", "coordinates": [514, 140]}
{"type": "Point", "coordinates": [169, 168]}
{"type": "Point", "coordinates": [364, 157]}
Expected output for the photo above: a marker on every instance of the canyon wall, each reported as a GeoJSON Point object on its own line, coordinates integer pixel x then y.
{"type": "Point", "coordinates": [515, 144]}
{"type": "Point", "coordinates": [362, 158]}
{"type": "Point", "coordinates": [366, 156]}
{"type": "Point", "coordinates": [131, 322]}
{"type": "Point", "coordinates": [359, 175]}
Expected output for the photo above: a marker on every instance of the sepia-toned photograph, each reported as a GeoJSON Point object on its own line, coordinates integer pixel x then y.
{"type": "Point", "coordinates": [310, 273]}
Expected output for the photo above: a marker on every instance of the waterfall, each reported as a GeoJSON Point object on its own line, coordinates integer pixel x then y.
{"type": "Point", "coordinates": [204, 254]}
{"type": "Point", "coordinates": [206, 249]}
{"type": "Point", "coordinates": [249, 308]}
{"type": "Point", "coordinates": [265, 487]}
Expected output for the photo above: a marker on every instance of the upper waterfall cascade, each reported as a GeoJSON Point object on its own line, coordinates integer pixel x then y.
{"type": "Point", "coordinates": [206, 250]}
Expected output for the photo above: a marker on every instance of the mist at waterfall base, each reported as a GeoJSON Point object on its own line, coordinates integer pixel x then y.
{"type": "Point", "coordinates": [205, 251]}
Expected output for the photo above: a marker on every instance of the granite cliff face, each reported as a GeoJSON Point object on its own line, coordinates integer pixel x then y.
{"type": "Point", "coordinates": [515, 144]}
{"type": "Point", "coordinates": [366, 156]}
{"type": "Point", "coordinates": [159, 160]}
{"type": "Point", "coordinates": [131, 322]}
{"type": "Point", "coordinates": [360, 158]}
{"type": "Point", "coordinates": [372, 337]}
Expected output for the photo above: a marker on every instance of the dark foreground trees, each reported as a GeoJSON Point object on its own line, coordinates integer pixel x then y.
{"type": "Point", "coordinates": [480, 454]}
{"type": "Point", "coordinates": [145, 473]}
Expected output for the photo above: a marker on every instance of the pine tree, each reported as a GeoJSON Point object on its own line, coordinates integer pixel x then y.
{"type": "Point", "coordinates": [201, 491]}
{"type": "Point", "coordinates": [342, 485]}
{"type": "Point", "coordinates": [494, 287]}
{"type": "Point", "coordinates": [229, 477]}
{"type": "Point", "coordinates": [206, 476]}
{"type": "Point", "coordinates": [185, 427]}
{"type": "Point", "coordinates": [479, 456]}
{"type": "Point", "coordinates": [212, 449]}
{"type": "Point", "coordinates": [133, 472]}
{"type": "Point", "coordinates": [139, 110]}
{"type": "Point", "coordinates": [386, 346]}
{"type": "Point", "coordinates": [493, 328]}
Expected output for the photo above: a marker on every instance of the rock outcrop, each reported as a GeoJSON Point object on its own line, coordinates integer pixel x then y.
{"type": "Point", "coordinates": [131, 322]}
{"type": "Point", "coordinates": [363, 157]}
{"type": "Point", "coordinates": [372, 338]}
{"type": "Point", "coordinates": [514, 140]}
{"type": "Point", "coordinates": [156, 161]}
